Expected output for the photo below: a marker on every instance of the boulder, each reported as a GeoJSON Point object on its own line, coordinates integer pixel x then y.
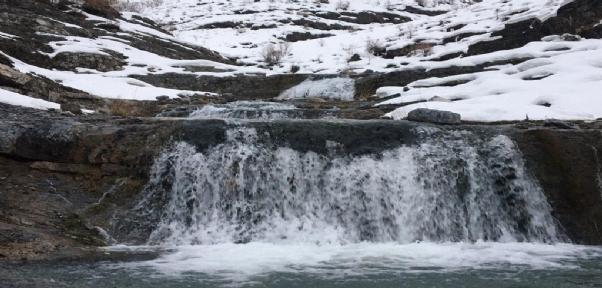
{"type": "Point", "coordinates": [433, 116]}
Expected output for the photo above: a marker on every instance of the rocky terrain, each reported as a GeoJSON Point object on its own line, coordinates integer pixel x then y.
{"type": "Point", "coordinates": [100, 77]}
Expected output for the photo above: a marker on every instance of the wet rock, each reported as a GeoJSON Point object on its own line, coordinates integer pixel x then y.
{"type": "Point", "coordinates": [73, 108]}
{"type": "Point", "coordinates": [364, 114]}
{"type": "Point", "coordinates": [433, 116]}
{"type": "Point", "coordinates": [555, 123]}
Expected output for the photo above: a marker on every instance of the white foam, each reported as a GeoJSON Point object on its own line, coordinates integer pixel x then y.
{"type": "Point", "coordinates": [242, 262]}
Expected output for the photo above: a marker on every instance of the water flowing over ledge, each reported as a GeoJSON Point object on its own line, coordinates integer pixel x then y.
{"type": "Point", "coordinates": [243, 209]}
{"type": "Point", "coordinates": [454, 186]}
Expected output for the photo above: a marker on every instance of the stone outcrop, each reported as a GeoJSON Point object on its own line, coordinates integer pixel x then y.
{"type": "Point", "coordinates": [433, 116]}
{"type": "Point", "coordinates": [114, 61]}
{"type": "Point", "coordinates": [567, 165]}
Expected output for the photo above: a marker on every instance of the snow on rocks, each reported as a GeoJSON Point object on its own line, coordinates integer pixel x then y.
{"type": "Point", "coordinates": [563, 82]}
{"type": "Point", "coordinates": [558, 76]}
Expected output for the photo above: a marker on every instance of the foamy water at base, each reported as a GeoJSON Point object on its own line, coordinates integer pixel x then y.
{"type": "Point", "coordinates": [384, 265]}
{"type": "Point", "coordinates": [245, 264]}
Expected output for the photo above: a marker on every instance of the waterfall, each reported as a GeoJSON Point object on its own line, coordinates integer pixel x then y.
{"type": "Point", "coordinates": [452, 186]}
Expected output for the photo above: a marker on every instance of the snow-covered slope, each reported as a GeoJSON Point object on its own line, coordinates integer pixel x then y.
{"type": "Point", "coordinates": [549, 77]}
{"type": "Point", "coordinates": [252, 26]}
{"type": "Point", "coordinates": [561, 81]}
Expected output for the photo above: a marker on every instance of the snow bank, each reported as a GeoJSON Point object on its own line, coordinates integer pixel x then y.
{"type": "Point", "coordinates": [566, 84]}
{"type": "Point", "coordinates": [12, 98]}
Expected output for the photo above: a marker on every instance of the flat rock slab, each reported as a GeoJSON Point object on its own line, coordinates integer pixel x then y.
{"type": "Point", "coordinates": [433, 116]}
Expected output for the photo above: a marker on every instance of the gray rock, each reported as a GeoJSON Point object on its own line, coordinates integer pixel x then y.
{"type": "Point", "coordinates": [70, 107]}
{"type": "Point", "coordinates": [559, 124]}
{"type": "Point", "coordinates": [433, 116]}
{"type": "Point", "coordinates": [162, 98]}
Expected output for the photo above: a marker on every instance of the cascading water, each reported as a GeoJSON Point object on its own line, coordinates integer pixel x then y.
{"type": "Point", "coordinates": [439, 206]}
{"type": "Point", "coordinates": [259, 111]}
{"type": "Point", "coordinates": [452, 187]}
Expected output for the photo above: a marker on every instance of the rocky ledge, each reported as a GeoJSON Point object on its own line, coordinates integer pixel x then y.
{"type": "Point", "coordinates": [64, 177]}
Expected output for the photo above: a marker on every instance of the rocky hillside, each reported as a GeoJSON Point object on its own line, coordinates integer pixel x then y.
{"type": "Point", "coordinates": [486, 60]}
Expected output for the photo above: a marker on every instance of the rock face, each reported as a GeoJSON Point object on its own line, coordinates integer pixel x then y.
{"type": "Point", "coordinates": [77, 172]}
{"type": "Point", "coordinates": [433, 116]}
{"type": "Point", "coordinates": [567, 165]}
